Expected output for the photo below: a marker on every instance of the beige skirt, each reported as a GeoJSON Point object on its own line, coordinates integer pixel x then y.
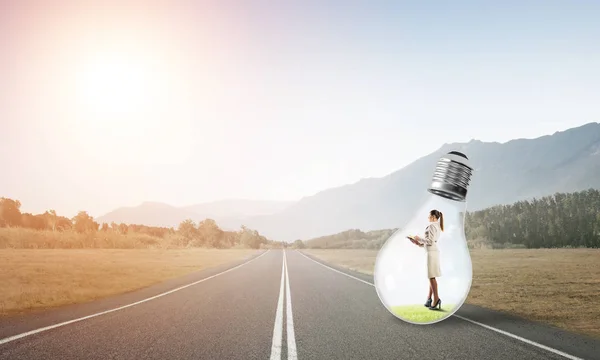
{"type": "Point", "coordinates": [433, 264]}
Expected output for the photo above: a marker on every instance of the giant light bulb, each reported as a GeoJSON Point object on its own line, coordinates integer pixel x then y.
{"type": "Point", "coordinates": [400, 274]}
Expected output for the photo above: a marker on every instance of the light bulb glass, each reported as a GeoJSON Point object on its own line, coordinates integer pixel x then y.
{"type": "Point", "coordinates": [400, 273]}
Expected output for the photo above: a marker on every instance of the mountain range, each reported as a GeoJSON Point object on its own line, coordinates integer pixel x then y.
{"type": "Point", "coordinates": [232, 211]}
{"type": "Point", "coordinates": [504, 173]}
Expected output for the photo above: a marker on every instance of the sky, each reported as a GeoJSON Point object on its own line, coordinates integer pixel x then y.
{"type": "Point", "coordinates": [112, 103]}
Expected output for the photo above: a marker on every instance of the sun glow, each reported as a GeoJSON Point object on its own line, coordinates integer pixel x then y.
{"type": "Point", "coordinates": [118, 84]}
{"type": "Point", "coordinates": [115, 85]}
{"type": "Point", "coordinates": [127, 104]}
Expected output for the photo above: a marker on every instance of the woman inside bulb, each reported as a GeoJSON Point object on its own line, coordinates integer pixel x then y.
{"type": "Point", "coordinates": [429, 241]}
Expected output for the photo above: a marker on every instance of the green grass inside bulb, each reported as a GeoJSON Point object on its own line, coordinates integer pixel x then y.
{"type": "Point", "coordinates": [421, 314]}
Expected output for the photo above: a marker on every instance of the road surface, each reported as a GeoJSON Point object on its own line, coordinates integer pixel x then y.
{"type": "Point", "coordinates": [275, 305]}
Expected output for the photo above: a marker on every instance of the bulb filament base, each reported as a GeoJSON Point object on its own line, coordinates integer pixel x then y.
{"type": "Point", "coordinates": [451, 176]}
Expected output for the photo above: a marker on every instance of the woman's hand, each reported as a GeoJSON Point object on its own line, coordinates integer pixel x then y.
{"type": "Point", "coordinates": [415, 241]}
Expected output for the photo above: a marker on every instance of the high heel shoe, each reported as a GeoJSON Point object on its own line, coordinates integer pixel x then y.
{"type": "Point", "coordinates": [437, 306]}
{"type": "Point", "coordinates": [428, 302]}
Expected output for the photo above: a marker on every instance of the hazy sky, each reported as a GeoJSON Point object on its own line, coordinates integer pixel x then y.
{"type": "Point", "coordinates": [106, 105]}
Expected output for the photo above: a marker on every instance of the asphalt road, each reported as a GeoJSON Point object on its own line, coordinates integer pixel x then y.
{"type": "Point", "coordinates": [274, 307]}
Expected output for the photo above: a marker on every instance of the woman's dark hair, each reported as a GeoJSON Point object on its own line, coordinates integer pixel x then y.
{"type": "Point", "coordinates": [438, 215]}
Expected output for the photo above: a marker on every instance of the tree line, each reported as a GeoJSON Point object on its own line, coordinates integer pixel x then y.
{"type": "Point", "coordinates": [349, 239]}
{"type": "Point", "coordinates": [559, 220]}
{"type": "Point", "coordinates": [205, 233]}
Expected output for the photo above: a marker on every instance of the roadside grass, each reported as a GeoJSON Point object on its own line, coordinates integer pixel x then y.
{"type": "Point", "coordinates": [23, 238]}
{"type": "Point", "coordinates": [33, 279]}
{"type": "Point", "coordinates": [560, 287]}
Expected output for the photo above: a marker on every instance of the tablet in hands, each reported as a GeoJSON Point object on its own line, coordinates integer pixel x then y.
{"type": "Point", "coordinates": [413, 240]}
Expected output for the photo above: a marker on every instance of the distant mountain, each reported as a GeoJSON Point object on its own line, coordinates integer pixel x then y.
{"type": "Point", "coordinates": [148, 213]}
{"type": "Point", "coordinates": [521, 169]}
{"type": "Point", "coordinates": [567, 161]}
{"type": "Point", "coordinates": [229, 214]}
{"type": "Point", "coordinates": [238, 208]}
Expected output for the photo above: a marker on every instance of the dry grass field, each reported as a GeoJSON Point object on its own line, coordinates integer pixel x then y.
{"type": "Point", "coordinates": [44, 278]}
{"type": "Point", "coordinates": [20, 238]}
{"type": "Point", "coordinates": [556, 286]}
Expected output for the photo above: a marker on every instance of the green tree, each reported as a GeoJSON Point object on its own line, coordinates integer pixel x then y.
{"type": "Point", "coordinates": [82, 222]}
{"type": "Point", "coordinates": [298, 244]}
{"type": "Point", "coordinates": [210, 233]}
{"type": "Point", "coordinates": [63, 223]}
{"type": "Point", "coordinates": [560, 220]}
{"type": "Point", "coordinates": [251, 238]}
{"type": "Point", "coordinates": [10, 212]}
{"type": "Point", "coordinates": [187, 229]}
{"type": "Point", "coordinates": [123, 228]}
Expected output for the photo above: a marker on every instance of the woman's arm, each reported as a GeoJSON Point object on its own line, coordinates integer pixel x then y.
{"type": "Point", "coordinates": [428, 239]}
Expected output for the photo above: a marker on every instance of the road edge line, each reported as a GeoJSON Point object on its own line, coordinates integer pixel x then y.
{"type": "Point", "coordinates": [505, 333]}
{"type": "Point", "coordinates": [64, 323]}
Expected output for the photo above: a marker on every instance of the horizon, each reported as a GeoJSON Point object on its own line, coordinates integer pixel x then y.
{"type": "Point", "coordinates": [179, 206]}
{"type": "Point", "coordinates": [106, 106]}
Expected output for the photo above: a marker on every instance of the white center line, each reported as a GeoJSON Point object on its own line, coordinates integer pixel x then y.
{"type": "Point", "coordinates": [32, 332]}
{"type": "Point", "coordinates": [291, 337]}
{"type": "Point", "coordinates": [506, 333]}
{"type": "Point", "coordinates": [278, 328]}
{"type": "Point", "coordinates": [284, 288]}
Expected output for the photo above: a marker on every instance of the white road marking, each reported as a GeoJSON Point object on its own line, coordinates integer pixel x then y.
{"type": "Point", "coordinates": [284, 288]}
{"type": "Point", "coordinates": [547, 348]}
{"type": "Point", "coordinates": [291, 337]}
{"type": "Point", "coordinates": [278, 327]}
{"type": "Point", "coordinates": [36, 331]}
{"type": "Point", "coordinates": [516, 337]}
{"type": "Point", "coordinates": [336, 270]}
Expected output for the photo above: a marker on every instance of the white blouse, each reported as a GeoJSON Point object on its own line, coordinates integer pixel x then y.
{"type": "Point", "coordinates": [432, 234]}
